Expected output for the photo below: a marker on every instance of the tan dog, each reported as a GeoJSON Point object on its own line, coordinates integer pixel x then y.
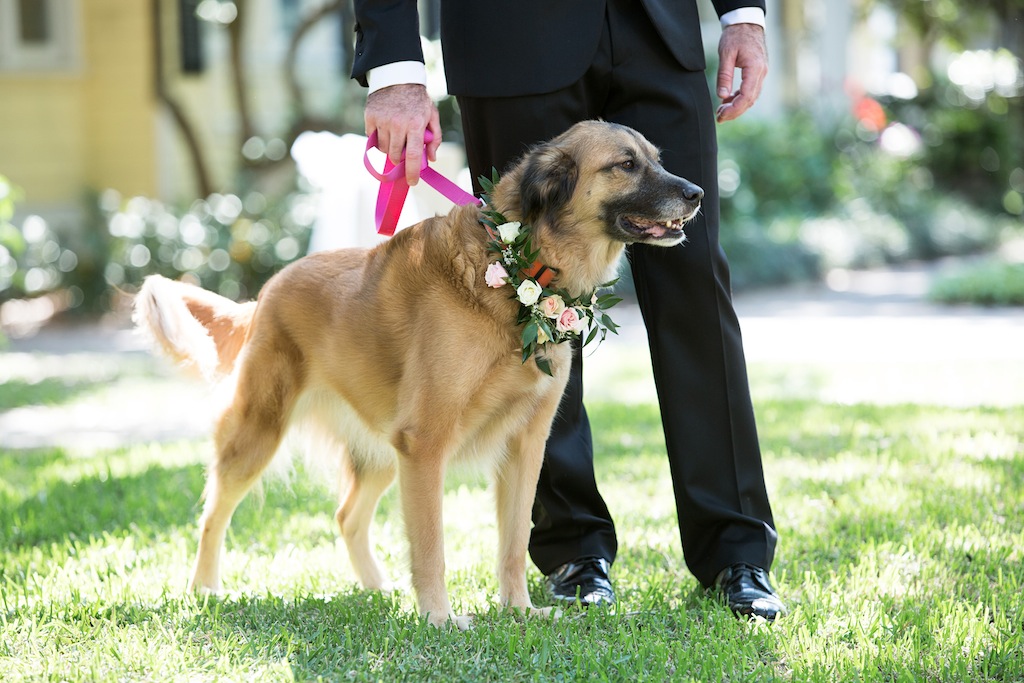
{"type": "Point", "coordinates": [410, 361]}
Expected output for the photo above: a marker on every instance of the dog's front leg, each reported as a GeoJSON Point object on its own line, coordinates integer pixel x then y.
{"type": "Point", "coordinates": [421, 472]}
{"type": "Point", "coordinates": [516, 488]}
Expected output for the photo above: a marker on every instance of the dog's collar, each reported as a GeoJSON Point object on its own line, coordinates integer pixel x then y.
{"type": "Point", "coordinates": [540, 273]}
{"type": "Point", "coordinates": [546, 314]}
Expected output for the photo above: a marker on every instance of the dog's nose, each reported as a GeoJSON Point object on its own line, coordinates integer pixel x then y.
{"type": "Point", "coordinates": [693, 193]}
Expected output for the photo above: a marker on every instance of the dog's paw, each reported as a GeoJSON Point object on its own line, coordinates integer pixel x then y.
{"type": "Point", "coordinates": [384, 586]}
{"type": "Point", "coordinates": [201, 590]}
{"type": "Point", "coordinates": [463, 623]}
{"type": "Point", "coordinates": [552, 613]}
{"type": "Point", "coordinates": [537, 612]}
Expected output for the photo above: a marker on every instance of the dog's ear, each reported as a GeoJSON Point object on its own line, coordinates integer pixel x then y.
{"type": "Point", "coordinates": [548, 182]}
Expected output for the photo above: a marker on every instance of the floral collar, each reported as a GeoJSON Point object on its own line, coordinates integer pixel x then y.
{"type": "Point", "coordinates": [548, 314]}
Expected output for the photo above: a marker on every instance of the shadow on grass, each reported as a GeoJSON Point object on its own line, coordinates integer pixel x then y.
{"type": "Point", "coordinates": [145, 503]}
{"type": "Point", "coordinates": [50, 498]}
{"type": "Point", "coordinates": [365, 635]}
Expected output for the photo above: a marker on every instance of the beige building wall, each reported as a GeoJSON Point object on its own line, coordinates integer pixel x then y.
{"type": "Point", "coordinates": [118, 98]}
{"type": "Point", "coordinates": [42, 139]}
{"type": "Point", "coordinates": [86, 121]}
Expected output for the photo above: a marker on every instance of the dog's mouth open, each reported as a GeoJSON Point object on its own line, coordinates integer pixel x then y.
{"type": "Point", "coordinates": [649, 228]}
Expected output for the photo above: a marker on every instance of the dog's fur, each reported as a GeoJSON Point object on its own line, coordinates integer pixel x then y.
{"type": "Point", "coordinates": [406, 357]}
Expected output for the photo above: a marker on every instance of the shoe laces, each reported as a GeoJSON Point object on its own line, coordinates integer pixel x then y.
{"type": "Point", "coordinates": [741, 570]}
{"type": "Point", "coordinates": [586, 568]}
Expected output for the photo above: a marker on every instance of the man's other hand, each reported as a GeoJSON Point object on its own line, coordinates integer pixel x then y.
{"type": "Point", "coordinates": [742, 47]}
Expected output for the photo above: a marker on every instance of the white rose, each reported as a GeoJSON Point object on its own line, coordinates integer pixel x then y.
{"type": "Point", "coordinates": [528, 292]}
{"type": "Point", "coordinates": [509, 231]}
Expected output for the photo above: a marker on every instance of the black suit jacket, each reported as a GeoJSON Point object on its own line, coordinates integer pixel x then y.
{"type": "Point", "coordinates": [504, 48]}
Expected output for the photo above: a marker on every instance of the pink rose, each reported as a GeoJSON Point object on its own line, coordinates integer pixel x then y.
{"type": "Point", "coordinates": [552, 306]}
{"type": "Point", "coordinates": [496, 275]}
{"type": "Point", "coordinates": [570, 321]}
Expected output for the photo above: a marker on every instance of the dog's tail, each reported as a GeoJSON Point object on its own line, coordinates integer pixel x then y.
{"type": "Point", "coordinates": [193, 326]}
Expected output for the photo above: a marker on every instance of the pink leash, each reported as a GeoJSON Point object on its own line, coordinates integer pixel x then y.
{"type": "Point", "coordinates": [394, 188]}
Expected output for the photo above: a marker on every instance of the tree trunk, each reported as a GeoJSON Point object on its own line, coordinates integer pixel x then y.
{"type": "Point", "coordinates": [163, 95]}
{"type": "Point", "coordinates": [236, 30]}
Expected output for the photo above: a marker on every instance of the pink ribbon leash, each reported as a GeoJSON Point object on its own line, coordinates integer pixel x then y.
{"type": "Point", "coordinates": [394, 188]}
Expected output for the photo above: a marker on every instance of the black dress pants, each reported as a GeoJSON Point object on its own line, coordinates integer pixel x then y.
{"type": "Point", "coordinates": [685, 297]}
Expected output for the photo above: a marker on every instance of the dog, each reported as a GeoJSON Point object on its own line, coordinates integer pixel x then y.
{"type": "Point", "coordinates": [410, 362]}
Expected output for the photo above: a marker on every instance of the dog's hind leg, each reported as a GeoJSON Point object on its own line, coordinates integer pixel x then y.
{"type": "Point", "coordinates": [247, 437]}
{"type": "Point", "coordinates": [355, 515]}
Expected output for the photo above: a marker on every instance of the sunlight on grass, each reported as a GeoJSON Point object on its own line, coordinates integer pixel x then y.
{"type": "Point", "coordinates": [901, 529]}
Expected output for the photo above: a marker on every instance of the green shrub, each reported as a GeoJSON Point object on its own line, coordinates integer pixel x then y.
{"type": "Point", "coordinates": [993, 283]}
{"type": "Point", "coordinates": [225, 243]}
{"type": "Point", "coordinates": [971, 142]}
{"type": "Point", "coordinates": [775, 168]}
{"type": "Point", "coordinates": [228, 244]}
{"type": "Point", "coordinates": [799, 196]}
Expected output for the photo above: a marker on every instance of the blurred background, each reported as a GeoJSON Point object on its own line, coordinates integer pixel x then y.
{"type": "Point", "coordinates": [160, 136]}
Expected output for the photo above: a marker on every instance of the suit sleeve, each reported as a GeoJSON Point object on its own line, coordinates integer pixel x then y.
{"type": "Point", "coordinates": [723, 6]}
{"type": "Point", "coordinates": [387, 31]}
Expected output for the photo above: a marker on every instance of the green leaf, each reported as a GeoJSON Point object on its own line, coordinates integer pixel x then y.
{"type": "Point", "coordinates": [608, 300]}
{"type": "Point", "coordinates": [528, 351]}
{"type": "Point", "coordinates": [609, 323]}
{"type": "Point", "coordinates": [544, 365]}
{"type": "Point", "coordinates": [609, 284]}
{"type": "Point", "coordinates": [530, 334]}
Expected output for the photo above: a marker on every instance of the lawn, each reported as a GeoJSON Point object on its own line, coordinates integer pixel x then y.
{"type": "Point", "coordinates": [902, 529]}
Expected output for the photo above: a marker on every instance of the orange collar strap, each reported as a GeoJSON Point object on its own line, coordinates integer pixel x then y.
{"type": "Point", "coordinates": [542, 274]}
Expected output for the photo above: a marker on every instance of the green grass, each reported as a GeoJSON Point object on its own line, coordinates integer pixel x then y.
{"type": "Point", "coordinates": [901, 527]}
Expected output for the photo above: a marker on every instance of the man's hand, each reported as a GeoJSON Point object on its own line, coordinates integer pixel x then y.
{"type": "Point", "coordinates": [742, 47]}
{"type": "Point", "coordinates": [399, 114]}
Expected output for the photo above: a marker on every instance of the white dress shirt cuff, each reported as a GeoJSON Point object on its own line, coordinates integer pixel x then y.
{"type": "Point", "coordinates": [744, 15]}
{"type": "Point", "coordinates": [395, 73]}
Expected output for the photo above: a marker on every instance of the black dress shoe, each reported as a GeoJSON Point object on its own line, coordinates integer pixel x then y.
{"type": "Point", "coordinates": [584, 581]}
{"type": "Point", "coordinates": [747, 591]}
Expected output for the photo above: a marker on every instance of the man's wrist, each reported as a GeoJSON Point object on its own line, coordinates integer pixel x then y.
{"type": "Point", "coordinates": [396, 73]}
{"type": "Point", "coordinates": [744, 15]}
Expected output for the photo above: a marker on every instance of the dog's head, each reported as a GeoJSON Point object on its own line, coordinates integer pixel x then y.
{"type": "Point", "coordinates": [594, 189]}
{"type": "Point", "coordinates": [609, 174]}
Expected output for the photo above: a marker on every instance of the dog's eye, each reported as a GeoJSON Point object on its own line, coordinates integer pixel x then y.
{"type": "Point", "coordinates": [628, 164]}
